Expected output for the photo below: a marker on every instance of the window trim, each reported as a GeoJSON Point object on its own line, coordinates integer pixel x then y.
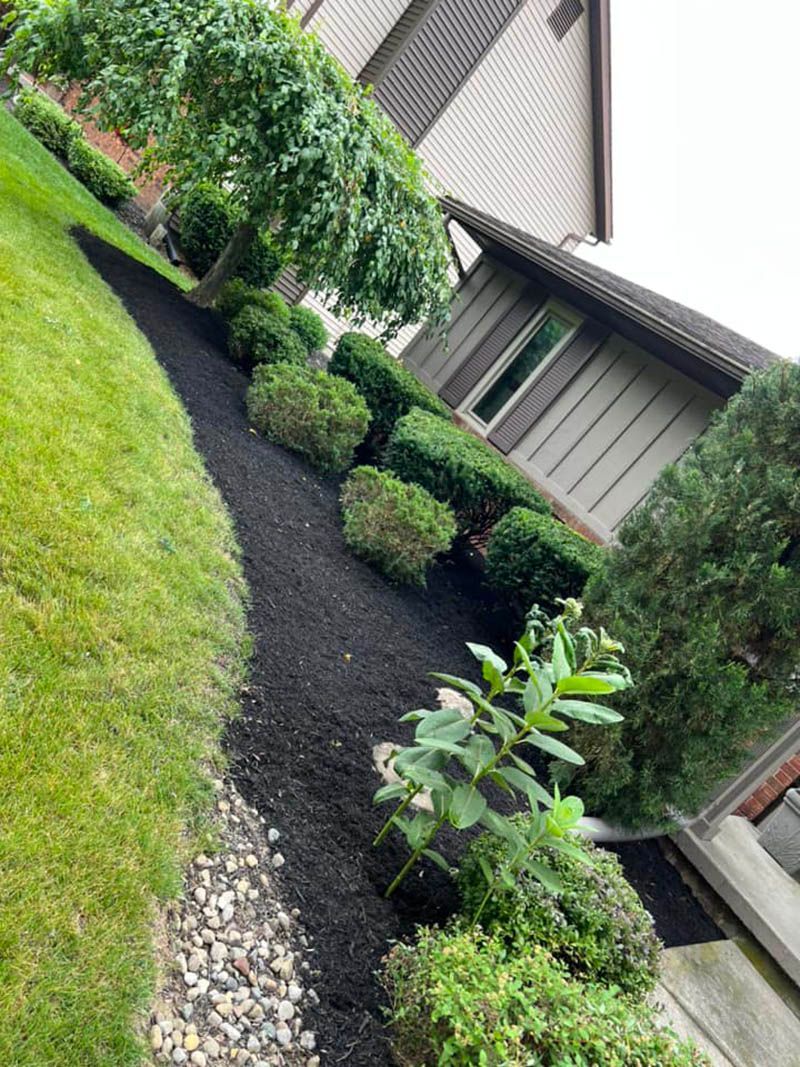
{"type": "Point", "coordinates": [550, 307]}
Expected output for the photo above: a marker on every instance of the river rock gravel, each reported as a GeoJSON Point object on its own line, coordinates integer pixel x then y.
{"type": "Point", "coordinates": [239, 984]}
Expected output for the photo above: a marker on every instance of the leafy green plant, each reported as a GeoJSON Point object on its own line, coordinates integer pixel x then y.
{"type": "Point", "coordinates": [551, 673]}
{"type": "Point", "coordinates": [704, 586]}
{"type": "Point", "coordinates": [389, 388]}
{"type": "Point", "coordinates": [259, 336]}
{"type": "Point", "coordinates": [596, 924]}
{"type": "Point", "coordinates": [47, 121]}
{"type": "Point", "coordinates": [460, 998]}
{"type": "Point", "coordinates": [399, 528]}
{"type": "Point", "coordinates": [308, 411]}
{"type": "Point", "coordinates": [237, 294]}
{"type": "Point", "coordinates": [104, 178]}
{"type": "Point", "coordinates": [309, 327]}
{"type": "Point", "coordinates": [458, 467]}
{"type": "Point", "coordinates": [534, 557]}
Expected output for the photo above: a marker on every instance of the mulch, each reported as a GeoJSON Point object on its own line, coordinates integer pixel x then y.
{"type": "Point", "coordinates": [339, 654]}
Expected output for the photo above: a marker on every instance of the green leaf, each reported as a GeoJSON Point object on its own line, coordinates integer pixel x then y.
{"type": "Point", "coordinates": [477, 754]}
{"type": "Point", "coordinates": [503, 723]}
{"type": "Point", "coordinates": [486, 870]}
{"type": "Point", "coordinates": [389, 792]}
{"type": "Point", "coordinates": [484, 654]}
{"type": "Point", "coordinates": [416, 755]}
{"type": "Point", "coordinates": [584, 683]}
{"type": "Point", "coordinates": [519, 780]}
{"type": "Point", "coordinates": [573, 851]}
{"type": "Point", "coordinates": [586, 712]}
{"type": "Point", "coordinates": [437, 858]}
{"type": "Point", "coordinates": [466, 807]}
{"type": "Point", "coordinates": [434, 719]}
{"type": "Point", "coordinates": [555, 748]}
{"type": "Point", "coordinates": [419, 827]}
{"type": "Point", "coordinates": [424, 776]}
{"type": "Point", "coordinates": [440, 745]}
{"type": "Point", "coordinates": [561, 662]}
{"type": "Point", "coordinates": [415, 716]}
{"type": "Point", "coordinates": [457, 683]}
{"type": "Point", "coordinates": [568, 812]}
{"type": "Point", "coordinates": [544, 874]}
{"type": "Point", "coordinates": [616, 681]}
{"type": "Point", "coordinates": [444, 729]}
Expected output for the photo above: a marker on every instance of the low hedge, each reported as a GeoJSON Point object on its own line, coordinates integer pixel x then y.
{"type": "Point", "coordinates": [104, 178]}
{"type": "Point", "coordinates": [308, 411]}
{"type": "Point", "coordinates": [596, 926]}
{"type": "Point", "coordinates": [260, 336]}
{"type": "Point", "coordinates": [400, 528]}
{"type": "Point", "coordinates": [237, 294]}
{"type": "Point", "coordinates": [208, 221]}
{"type": "Point", "coordinates": [389, 388]}
{"type": "Point", "coordinates": [309, 327]}
{"type": "Point", "coordinates": [47, 121]}
{"type": "Point", "coordinates": [461, 998]}
{"type": "Point", "coordinates": [458, 468]}
{"type": "Point", "coordinates": [534, 558]}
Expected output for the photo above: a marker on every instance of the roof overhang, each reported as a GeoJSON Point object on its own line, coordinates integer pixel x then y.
{"type": "Point", "coordinates": [600, 62]}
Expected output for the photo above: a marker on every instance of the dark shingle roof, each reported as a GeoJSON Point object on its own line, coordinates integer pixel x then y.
{"type": "Point", "coordinates": [697, 333]}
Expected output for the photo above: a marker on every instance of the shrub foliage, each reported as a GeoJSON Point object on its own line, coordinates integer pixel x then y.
{"type": "Point", "coordinates": [400, 528]}
{"type": "Point", "coordinates": [309, 327]}
{"type": "Point", "coordinates": [237, 294]}
{"type": "Point", "coordinates": [389, 388]}
{"type": "Point", "coordinates": [260, 336]}
{"type": "Point", "coordinates": [461, 998]}
{"type": "Point", "coordinates": [457, 467]}
{"type": "Point", "coordinates": [596, 925]}
{"type": "Point", "coordinates": [104, 178]}
{"type": "Point", "coordinates": [47, 121]}
{"type": "Point", "coordinates": [308, 411]}
{"type": "Point", "coordinates": [534, 558]}
{"type": "Point", "coordinates": [704, 589]}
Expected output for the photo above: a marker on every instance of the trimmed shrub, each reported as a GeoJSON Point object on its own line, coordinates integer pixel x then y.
{"type": "Point", "coordinates": [534, 558]}
{"type": "Point", "coordinates": [104, 178]}
{"type": "Point", "coordinates": [704, 589]}
{"type": "Point", "coordinates": [47, 121]}
{"type": "Point", "coordinates": [309, 411]}
{"type": "Point", "coordinates": [309, 327]}
{"type": "Point", "coordinates": [400, 528]}
{"type": "Point", "coordinates": [461, 998]}
{"type": "Point", "coordinates": [596, 926]}
{"type": "Point", "coordinates": [389, 388]}
{"type": "Point", "coordinates": [208, 221]}
{"type": "Point", "coordinates": [237, 294]}
{"type": "Point", "coordinates": [259, 336]}
{"type": "Point", "coordinates": [459, 468]}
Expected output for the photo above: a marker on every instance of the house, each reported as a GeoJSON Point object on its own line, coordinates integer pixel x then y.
{"type": "Point", "coordinates": [507, 102]}
{"type": "Point", "coordinates": [589, 383]}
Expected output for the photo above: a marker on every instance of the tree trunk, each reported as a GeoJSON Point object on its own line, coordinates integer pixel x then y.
{"type": "Point", "coordinates": [206, 291]}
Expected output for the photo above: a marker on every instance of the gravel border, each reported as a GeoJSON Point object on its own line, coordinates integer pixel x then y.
{"type": "Point", "coordinates": [238, 989]}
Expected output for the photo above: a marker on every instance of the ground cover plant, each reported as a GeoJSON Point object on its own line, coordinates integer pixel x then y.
{"type": "Point", "coordinates": [713, 559]}
{"type": "Point", "coordinates": [457, 467]}
{"type": "Point", "coordinates": [461, 998]}
{"type": "Point", "coordinates": [596, 925]}
{"type": "Point", "coordinates": [389, 388]}
{"type": "Point", "coordinates": [120, 630]}
{"type": "Point", "coordinates": [321, 417]}
{"type": "Point", "coordinates": [399, 528]}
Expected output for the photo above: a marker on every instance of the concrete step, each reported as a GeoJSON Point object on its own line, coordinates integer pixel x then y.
{"type": "Point", "coordinates": [713, 994]}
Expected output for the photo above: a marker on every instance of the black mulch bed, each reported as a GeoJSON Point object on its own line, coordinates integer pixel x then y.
{"type": "Point", "coordinates": [339, 655]}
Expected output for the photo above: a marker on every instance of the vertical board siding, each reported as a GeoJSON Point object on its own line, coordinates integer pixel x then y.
{"type": "Point", "coordinates": [289, 287]}
{"type": "Point", "coordinates": [606, 436]}
{"type": "Point", "coordinates": [517, 139]}
{"type": "Point", "coordinates": [353, 30]}
{"type": "Point", "coordinates": [443, 51]}
{"type": "Point", "coordinates": [379, 63]}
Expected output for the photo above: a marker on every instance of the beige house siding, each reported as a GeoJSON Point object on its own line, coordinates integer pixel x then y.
{"type": "Point", "coordinates": [353, 30]}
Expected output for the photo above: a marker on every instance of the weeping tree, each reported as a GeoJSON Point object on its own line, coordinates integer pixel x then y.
{"type": "Point", "coordinates": [704, 592]}
{"type": "Point", "coordinates": [230, 92]}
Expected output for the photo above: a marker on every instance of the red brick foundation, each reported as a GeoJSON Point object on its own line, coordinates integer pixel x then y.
{"type": "Point", "coordinates": [771, 790]}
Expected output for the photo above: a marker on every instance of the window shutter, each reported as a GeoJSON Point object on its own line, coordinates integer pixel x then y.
{"type": "Point", "coordinates": [493, 345]}
{"type": "Point", "coordinates": [552, 381]}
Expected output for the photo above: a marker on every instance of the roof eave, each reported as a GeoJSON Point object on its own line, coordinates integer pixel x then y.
{"type": "Point", "coordinates": [600, 57]}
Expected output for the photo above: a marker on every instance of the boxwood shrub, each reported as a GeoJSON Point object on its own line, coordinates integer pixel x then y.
{"type": "Point", "coordinates": [208, 221]}
{"type": "Point", "coordinates": [104, 178]}
{"type": "Point", "coordinates": [461, 998]}
{"type": "Point", "coordinates": [47, 121]}
{"type": "Point", "coordinates": [237, 294]}
{"type": "Point", "coordinates": [532, 557]}
{"type": "Point", "coordinates": [459, 468]}
{"type": "Point", "coordinates": [260, 336]}
{"type": "Point", "coordinates": [389, 388]}
{"type": "Point", "coordinates": [309, 327]}
{"type": "Point", "coordinates": [400, 528]}
{"type": "Point", "coordinates": [596, 926]}
{"type": "Point", "coordinates": [308, 411]}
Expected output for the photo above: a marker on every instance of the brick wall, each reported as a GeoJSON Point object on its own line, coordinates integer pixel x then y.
{"type": "Point", "coordinates": [770, 791]}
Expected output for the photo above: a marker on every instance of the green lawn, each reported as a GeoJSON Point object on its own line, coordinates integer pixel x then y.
{"type": "Point", "coordinates": [121, 630]}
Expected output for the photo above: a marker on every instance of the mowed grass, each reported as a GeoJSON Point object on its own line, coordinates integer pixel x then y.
{"type": "Point", "coordinates": [121, 627]}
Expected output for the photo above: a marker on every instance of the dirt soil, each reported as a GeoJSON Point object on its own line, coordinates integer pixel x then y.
{"type": "Point", "coordinates": [339, 655]}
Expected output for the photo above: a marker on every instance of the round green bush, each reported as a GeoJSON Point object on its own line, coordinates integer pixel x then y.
{"type": "Point", "coordinates": [389, 388]}
{"type": "Point", "coordinates": [47, 121]}
{"type": "Point", "coordinates": [533, 557]}
{"type": "Point", "coordinates": [260, 336]}
{"type": "Point", "coordinates": [262, 263]}
{"type": "Point", "coordinates": [309, 327]}
{"type": "Point", "coordinates": [457, 467]}
{"type": "Point", "coordinates": [461, 998]}
{"type": "Point", "coordinates": [596, 926]}
{"type": "Point", "coordinates": [400, 528]}
{"type": "Point", "coordinates": [308, 411]}
{"type": "Point", "coordinates": [237, 294]}
{"type": "Point", "coordinates": [101, 175]}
